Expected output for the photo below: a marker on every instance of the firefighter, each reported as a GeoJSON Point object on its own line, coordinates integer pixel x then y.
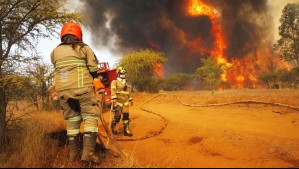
{"type": "Point", "coordinates": [121, 100]}
{"type": "Point", "coordinates": [75, 68]}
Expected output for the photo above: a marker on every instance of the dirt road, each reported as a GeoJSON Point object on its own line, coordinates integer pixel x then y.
{"type": "Point", "coordinates": [234, 135]}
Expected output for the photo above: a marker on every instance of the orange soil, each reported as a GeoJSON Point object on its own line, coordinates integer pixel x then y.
{"type": "Point", "coordinates": [237, 135]}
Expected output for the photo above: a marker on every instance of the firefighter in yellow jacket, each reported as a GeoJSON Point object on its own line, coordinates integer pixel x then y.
{"type": "Point", "coordinates": [121, 100]}
{"type": "Point", "coordinates": [75, 67]}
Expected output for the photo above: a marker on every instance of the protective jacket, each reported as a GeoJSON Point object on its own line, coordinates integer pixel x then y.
{"type": "Point", "coordinates": [73, 67]}
{"type": "Point", "coordinates": [121, 91]}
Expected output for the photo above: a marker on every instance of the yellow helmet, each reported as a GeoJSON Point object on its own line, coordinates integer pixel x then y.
{"type": "Point", "coordinates": [120, 70]}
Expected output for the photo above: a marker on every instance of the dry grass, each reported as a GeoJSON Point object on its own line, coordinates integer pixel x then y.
{"type": "Point", "coordinates": [30, 144]}
{"type": "Point", "coordinates": [39, 142]}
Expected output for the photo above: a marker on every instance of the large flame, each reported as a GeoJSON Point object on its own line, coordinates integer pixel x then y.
{"type": "Point", "coordinates": [198, 8]}
{"type": "Point", "coordinates": [243, 70]}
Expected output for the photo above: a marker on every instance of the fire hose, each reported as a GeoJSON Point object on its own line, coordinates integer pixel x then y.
{"type": "Point", "coordinates": [239, 102]}
{"type": "Point", "coordinates": [99, 86]}
{"type": "Point", "coordinates": [109, 135]}
{"type": "Point", "coordinates": [146, 136]}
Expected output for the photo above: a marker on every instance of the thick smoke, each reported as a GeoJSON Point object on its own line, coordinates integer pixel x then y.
{"type": "Point", "coordinates": [165, 25]}
{"type": "Point", "coordinates": [246, 24]}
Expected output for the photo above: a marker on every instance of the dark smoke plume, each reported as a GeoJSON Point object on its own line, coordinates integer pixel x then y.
{"type": "Point", "coordinates": [165, 25]}
{"type": "Point", "coordinates": [246, 24]}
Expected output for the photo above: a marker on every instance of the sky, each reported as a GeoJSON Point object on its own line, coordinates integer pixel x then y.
{"type": "Point", "coordinates": [276, 11]}
{"type": "Point", "coordinates": [45, 46]}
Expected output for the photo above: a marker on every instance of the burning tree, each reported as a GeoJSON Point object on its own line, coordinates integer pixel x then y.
{"type": "Point", "coordinates": [287, 46]}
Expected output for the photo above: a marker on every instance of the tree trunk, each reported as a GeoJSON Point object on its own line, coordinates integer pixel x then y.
{"type": "Point", "coordinates": [2, 115]}
{"type": "Point", "coordinates": [2, 96]}
{"type": "Point", "coordinates": [3, 103]}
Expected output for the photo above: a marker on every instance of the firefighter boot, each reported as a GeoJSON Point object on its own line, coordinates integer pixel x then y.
{"type": "Point", "coordinates": [126, 122]}
{"type": "Point", "coordinates": [113, 127]}
{"type": "Point", "coordinates": [127, 131]}
{"type": "Point", "coordinates": [89, 144]}
{"type": "Point", "coordinates": [114, 123]}
{"type": "Point", "coordinates": [75, 147]}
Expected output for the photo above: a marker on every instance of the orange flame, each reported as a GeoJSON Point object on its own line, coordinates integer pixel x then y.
{"type": "Point", "coordinates": [242, 71]}
{"type": "Point", "coordinates": [158, 70]}
{"type": "Point", "coordinates": [198, 8]}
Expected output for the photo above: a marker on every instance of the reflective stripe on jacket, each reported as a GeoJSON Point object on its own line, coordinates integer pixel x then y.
{"type": "Point", "coordinates": [73, 66]}
{"type": "Point", "coordinates": [121, 92]}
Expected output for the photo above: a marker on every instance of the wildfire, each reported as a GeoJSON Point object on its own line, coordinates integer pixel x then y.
{"type": "Point", "coordinates": [242, 70]}
{"type": "Point", "coordinates": [198, 8]}
{"type": "Point", "coordinates": [239, 71]}
{"type": "Point", "coordinates": [240, 78]}
{"type": "Point", "coordinates": [159, 70]}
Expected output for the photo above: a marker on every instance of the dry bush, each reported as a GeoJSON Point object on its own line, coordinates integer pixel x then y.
{"type": "Point", "coordinates": [30, 144]}
{"type": "Point", "coordinates": [40, 142]}
{"type": "Point", "coordinates": [30, 148]}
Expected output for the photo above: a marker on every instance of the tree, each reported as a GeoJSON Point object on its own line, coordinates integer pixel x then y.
{"type": "Point", "coordinates": [178, 81]}
{"type": "Point", "coordinates": [141, 66]}
{"type": "Point", "coordinates": [284, 77]}
{"type": "Point", "coordinates": [210, 73]}
{"type": "Point", "coordinates": [151, 85]}
{"type": "Point", "coordinates": [40, 75]}
{"type": "Point", "coordinates": [22, 24]}
{"type": "Point", "coordinates": [270, 79]}
{"type": "Point", "coordinates": [287, 46]}
{"type": "Point", "coordinates": [294, 77]}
